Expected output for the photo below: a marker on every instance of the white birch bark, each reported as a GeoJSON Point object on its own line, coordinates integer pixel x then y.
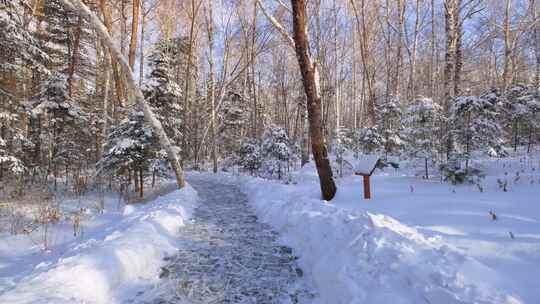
{"type": "Point", "coordinates": [149, 116]}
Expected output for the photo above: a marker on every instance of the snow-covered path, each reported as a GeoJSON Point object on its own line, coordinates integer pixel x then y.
{"type": "Point", "coordinates": [227, 256]}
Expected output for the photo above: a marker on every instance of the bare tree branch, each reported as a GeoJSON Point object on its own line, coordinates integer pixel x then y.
{"type": "Point", "coordinates": [277, 25]}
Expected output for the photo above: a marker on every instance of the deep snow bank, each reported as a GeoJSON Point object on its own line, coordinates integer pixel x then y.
{"type": "Point", "coordinates": [358, 257]}
{"type": "Point", "coordinates": [112, 266]}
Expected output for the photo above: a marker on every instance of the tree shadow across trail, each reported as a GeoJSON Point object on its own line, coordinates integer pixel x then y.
{"type": "Point", "coordinates": [227, 256]}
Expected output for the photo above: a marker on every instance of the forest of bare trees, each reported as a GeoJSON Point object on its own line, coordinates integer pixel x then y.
{"type": "Point", "coordinates": [115, 93]}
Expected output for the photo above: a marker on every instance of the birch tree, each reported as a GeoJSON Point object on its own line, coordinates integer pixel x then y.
{"type": "Point", "coordinates": [164, 142]}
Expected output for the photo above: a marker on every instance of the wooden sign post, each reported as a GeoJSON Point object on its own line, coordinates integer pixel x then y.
{"type": "Point", "coordinates": [367, 187]}
{"type": "Point", "coordinates": [365, 167]}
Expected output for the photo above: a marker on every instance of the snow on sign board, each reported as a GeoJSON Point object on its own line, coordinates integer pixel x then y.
{"type": "Point", "coordinates": [366, 164]}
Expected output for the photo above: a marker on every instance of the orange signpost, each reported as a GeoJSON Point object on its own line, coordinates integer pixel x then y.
{"type": "Point", "coordinates": [365, 167]}
{"type": "Point", "coordinates": [367, 187]}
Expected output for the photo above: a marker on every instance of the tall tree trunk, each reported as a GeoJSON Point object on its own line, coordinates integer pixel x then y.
{"type": "Point", "coordinates": [107, 20]}
{"type": "Point", "coordinates": [74, 56]}
{"type": "Point", "coordinates": [189, 79]}
{"type": "Point", "coordinates": [433, 44]}
{"type": "Point", "coordinates": [368, 90]}
{"type": "Point", "coordinates": [536, 35]}
{"type": "Point", "coordinates": [211, 85]}
{"type": "Point", "coordinates": [507, 44]}
{"type": "Point", "coordinates": [412, 75]}
{"type": "Point", "coordinates": [141, 48]}
{"type": "Point", "coordinates": [388, 51]}
{"type": "Point", "coordinates": [354, 82]}
{"type": "Point", "coordinates": [450, 54]}
{"type": "Point", "coordinates": [253, 77]}
{"type": "Point", "coordinates": [105, 105]}
{"type": "Point", "coordinates": [336, 69]}
{"type": "Point", "coordinates": [458, 56]}
{"type": "Point", "coordinates": [449, 69]}
{"type": "Point", "coordinates": [399, 46]}
{"type": "Point", "coordinates": [149, 116]}
{"type": "Point", "coordinates": [136, 7]}
{"type": "Point", "coordinates": [305, 137]}
{"type": "Point", "coordinates": [310, 79]}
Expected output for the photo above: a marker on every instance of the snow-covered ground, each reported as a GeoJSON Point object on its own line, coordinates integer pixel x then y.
{"type": "Point", "coordinates": [416, 241]}
{"type": "Point", "coordinates": [118, 254]}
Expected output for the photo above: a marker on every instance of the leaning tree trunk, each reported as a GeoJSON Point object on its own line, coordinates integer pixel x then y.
{"type": "Point", "coordinates": [149, 116]}
{"type": "Point", "coordinates": [310, 79]}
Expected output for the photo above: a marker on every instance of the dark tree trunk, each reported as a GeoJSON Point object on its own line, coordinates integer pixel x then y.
{"type": "Point", "coordinates": [529, 143]}
{"type": "Point", "coordinates": [141, 181]}
{"type": "Point", "coordinates": [426, 167]}
{"type": "Point", "coordinates": [516, 134]}
{"type": "Point", "coordinates": [311, 87]}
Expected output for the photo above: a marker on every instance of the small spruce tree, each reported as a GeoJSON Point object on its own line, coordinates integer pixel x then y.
{"type": "Point", "coordinates": [421, 124]}
{"type": "Point", "coordinates": [388, 117]}
{"type": "Point", "coordinates": [476, 125]}
{"type": "Point", "coordinates": [162, 92]}
{"type": "Point", "coordinates": [132, 149]}
{"type": "Point", "coordinates": [276, 151]}
{"type": "Point", "coordinates": [368, 140]}
{"type": "Point", "coordinates": [61, 131]}
{"type": "Point", "coordinates": [248, 156]}
{"type": "Point", "coordinates": [233, 119]}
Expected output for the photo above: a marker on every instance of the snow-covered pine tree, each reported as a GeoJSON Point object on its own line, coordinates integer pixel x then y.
{"type": "Point", "coordinates": [132, 150]}
{"type": "Point", "coordinates": [161, 91]}
{"type": "Point", "coordinates": [421, 123]}
{"type": "Point", "coordinates": [61, 123]}
{"type": "Point", "coordinates": [342, 144]}
{"type": "Point", "coordinates": [368, 140]}
{"type": "Point", "coordinates": [533, 117]}
{"type": "Point", "coordinates": [276, 151]}
{"type": "Point", "coordinates": [388, 117]}
{"type": "Point", "coordinates": [12, 141]}
{"type": "Point", "coordinates": [19, 48]}
{"type": "Point", "coordinates": [518, 107]}
{"type": "Point", "coordinates": [249, 156]}
{"type": "Point", "coordinates": [233, 119]}
{"type": "Point", "coordinates": [67, 39]}
{"type": "Point", "coordinates": [477, 126]}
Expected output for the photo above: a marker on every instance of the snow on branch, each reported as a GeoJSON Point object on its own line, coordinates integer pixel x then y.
{"type": "Point", "coordinates": [277, 25]}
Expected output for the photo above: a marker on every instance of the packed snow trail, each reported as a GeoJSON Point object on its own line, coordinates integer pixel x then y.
{"type": "Point", "coordinates": [227, 256]}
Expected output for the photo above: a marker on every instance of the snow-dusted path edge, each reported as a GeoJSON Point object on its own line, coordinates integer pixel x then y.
{"type": "Point", "coordinates": [228, 255]}
{"type": "Point", "coordinates": [112, 267]}
{"type": "Point", "coordinates": [357, 257]}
